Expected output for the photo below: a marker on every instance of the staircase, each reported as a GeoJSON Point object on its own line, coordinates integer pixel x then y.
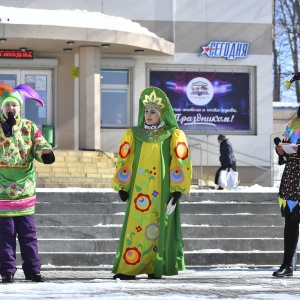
{"type": "Point", "coordinates": [80, 229]}
{"type": "Point", "coordinates": [85, 169]}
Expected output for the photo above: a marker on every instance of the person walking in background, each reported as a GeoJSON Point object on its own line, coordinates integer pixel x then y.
{"type": "Point", "coordinates": [20, 143]}
{"type": "Point", "coordinates": [153, 166]}
{"type": "Point", "coordinates": [289, 194]}
{"type": "Point", "coordinates": [226, 158]}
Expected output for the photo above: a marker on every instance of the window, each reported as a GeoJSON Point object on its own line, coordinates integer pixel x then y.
{"type": "Point", "coordinates": [115, 98]}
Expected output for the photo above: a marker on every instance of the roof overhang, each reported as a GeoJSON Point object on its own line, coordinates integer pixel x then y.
{"type": "Point", "coordinates": [53, 39]}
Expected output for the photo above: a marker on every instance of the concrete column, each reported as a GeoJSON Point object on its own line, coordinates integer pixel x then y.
{"type": "Point", "coordinates": [89, 98]}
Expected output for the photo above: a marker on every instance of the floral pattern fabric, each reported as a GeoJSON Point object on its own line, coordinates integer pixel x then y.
{"type": "Point", "coordinates": [17, 175]}
{"type": "Point", "coordinates": [150, 241]}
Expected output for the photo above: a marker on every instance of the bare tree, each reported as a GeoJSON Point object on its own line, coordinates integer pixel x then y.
{"type": "Point", "coordinates": [276, 63]}
{"type": "Point", "coordinates": [286, 49]}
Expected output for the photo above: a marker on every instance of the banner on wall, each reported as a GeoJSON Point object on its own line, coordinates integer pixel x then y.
{"type": "Point", "coordinates": [218, 101]}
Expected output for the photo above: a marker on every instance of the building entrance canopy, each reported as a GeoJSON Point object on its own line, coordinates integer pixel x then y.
{"type": "Point", "coordinates": [52, 31]}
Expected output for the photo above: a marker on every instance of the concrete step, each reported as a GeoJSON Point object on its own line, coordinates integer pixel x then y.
{"type": "Point", "coordinates": [100, 183]}
{"type": "Point", "coordinates": [190, 244]}
{"type": "Point", "coordinates": [86, 169]}
{"type": "Point", "coordinates": [188, 219]}
{"type": "Point", "coordinates": [82, 195]}
{"type": "Point", "coordinates": [81, 164]}
{"type": "Point", "coordinates": [188, 231]}
{"type": "Point", "coordinates": [81, 227]}
{"type": "Point", "coordinates": [192, 258]}
{"type": "Point", "coordinates": [186, 208]}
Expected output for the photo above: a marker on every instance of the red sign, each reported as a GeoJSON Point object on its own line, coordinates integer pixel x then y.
{"type": "Point", "coordinates": [27, 54]}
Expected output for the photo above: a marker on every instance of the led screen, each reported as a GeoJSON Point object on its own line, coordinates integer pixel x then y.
{"type": "Point", "coordinates": [218, 101]}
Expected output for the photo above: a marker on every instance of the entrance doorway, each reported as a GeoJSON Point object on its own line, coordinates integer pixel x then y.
{"type": "Point", "coordinates": [41, 81]}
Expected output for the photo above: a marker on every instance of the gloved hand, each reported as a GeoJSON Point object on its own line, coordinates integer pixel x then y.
{"type": "Point", "coordinates": [176, 196]}
{"type": "Point", "coordinates": [48, 158]}
{"type": "Point", "coordinates": [123, 195]}
{"type": "Point", "coordinates": [11, 121]}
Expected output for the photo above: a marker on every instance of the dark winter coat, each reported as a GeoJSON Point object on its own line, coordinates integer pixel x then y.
{"type": "Point", "coordinates": [227, 158]}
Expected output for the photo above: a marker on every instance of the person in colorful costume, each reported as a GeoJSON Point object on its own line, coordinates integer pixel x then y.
{"type": "Point", "coordinates": [289, 195]}
{"type": "Point", "coordinates": [153, 166]}
{"type": "Point", "coordinates": [20, 143]}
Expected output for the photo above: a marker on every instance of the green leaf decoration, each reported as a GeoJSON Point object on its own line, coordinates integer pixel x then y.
{"type": "Point", "coordinates": [131, 234]}
{"type": "Point", "coordinates": [155, 213]}
{"type": "Point", "coordinates": [151, 178]}
{"type": "Point", "coordinates": [121, 162]}
{"type": "Point", "coordinates": [176, 187]}
{"type": "Point", "coordinates": [158, 257]}
{"type": "Point", "coordinates": [146, 243]}
{"type": "Point", "coordinates": [145, 218]}
{"type": "Point", "coordinates": [138, 218]}
{"type": "Point", "coordinates": [155, 203]}
{"type": "Point", "coordinates": [145, 183]}
{"type": "Point", "coordinates": [138, 188]}
{"type": "Point", "coordinates": [129, 242]}
{"type": "Point", "coordinates": [149, 250]}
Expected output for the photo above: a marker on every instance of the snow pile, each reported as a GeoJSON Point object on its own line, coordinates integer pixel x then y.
{"type": "Point", "coordinates": [70, 18]}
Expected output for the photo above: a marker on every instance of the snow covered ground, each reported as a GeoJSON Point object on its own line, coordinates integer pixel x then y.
{"type": "Point", "coordinates": [230, 283]}
{"type": "Point", "coordinates": [249, 189]}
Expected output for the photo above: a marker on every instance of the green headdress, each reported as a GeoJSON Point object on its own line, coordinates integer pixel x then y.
{"type": "Point", "coordinates": [156, 98]}
{"type": "Point", "coordinates": [11, 97]}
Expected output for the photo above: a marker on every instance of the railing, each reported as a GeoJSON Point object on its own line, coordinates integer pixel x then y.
{"type": "Point", "coordinates": [197, 149]}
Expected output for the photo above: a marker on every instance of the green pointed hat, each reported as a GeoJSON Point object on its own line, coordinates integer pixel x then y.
{"type": "Point", "coordinates": [11, 97]}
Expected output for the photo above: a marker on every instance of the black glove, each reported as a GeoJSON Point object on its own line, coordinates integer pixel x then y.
{"type": "Point", "coordinates": [11, 121]}
{"type": "Point", "coordinates": [176, 196]}
{"type": "Point", "coordinates": [48, 158]}
{"type": "Point", "coordinates": [123, 195]}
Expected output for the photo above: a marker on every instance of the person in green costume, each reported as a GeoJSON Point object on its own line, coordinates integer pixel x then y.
{"type": "Point", "coordinates": [153, 168]}
{"type": "Point", "coordinates": [21, 142]}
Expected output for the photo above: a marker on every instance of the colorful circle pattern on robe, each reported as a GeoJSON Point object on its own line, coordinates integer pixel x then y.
{"type": "Point", "coordinates": [181, 150]}
{"type": "Point", "coordinates": [142, 202]}
{"type": "Point", "coordinates": [176, 175]}
{"type": "Point", "coordinates": [132, 256]}
{"type": "Point", "coordinates": [152, 232]}
{"type": "Point", "coordinates": [124, 175]}
{"type": "Point", "coordinates": [124, 150]}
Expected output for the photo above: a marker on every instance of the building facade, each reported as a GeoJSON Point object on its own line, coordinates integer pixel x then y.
{"type": "Point", "coordinates": [212, 58]}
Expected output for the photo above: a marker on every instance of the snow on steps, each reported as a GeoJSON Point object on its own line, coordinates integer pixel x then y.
{"type": "Point", "coordinates": [79, 228]}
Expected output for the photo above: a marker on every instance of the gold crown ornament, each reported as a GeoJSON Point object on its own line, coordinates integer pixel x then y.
{"type": "Point", "coordinates": [152, 99]}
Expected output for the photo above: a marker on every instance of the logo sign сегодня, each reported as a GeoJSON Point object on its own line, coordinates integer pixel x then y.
{"type": "Point", "coordinates": [229, 50]}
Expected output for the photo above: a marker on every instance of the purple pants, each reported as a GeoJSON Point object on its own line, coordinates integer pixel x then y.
{"type": "Point", "coordinates": [23, 228]}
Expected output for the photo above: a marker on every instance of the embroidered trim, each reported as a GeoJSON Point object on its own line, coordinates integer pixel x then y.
{"type": "Point", "coordinates": [153, 127]}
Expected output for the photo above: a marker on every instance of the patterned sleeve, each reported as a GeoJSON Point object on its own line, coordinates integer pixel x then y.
{"type": "Point", "coordinates": [124, 163]}
{"type": "Point", "coordinates": [39, 142]}
{"type": "Point", "coordinates": [181, 166]}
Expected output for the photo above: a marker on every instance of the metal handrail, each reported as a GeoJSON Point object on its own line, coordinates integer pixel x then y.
{"type": "Point", "coordinates": [198, 153]}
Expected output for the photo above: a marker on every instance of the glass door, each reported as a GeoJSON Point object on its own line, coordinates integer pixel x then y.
{"type": "Point", "coordinates": [41, 81]}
